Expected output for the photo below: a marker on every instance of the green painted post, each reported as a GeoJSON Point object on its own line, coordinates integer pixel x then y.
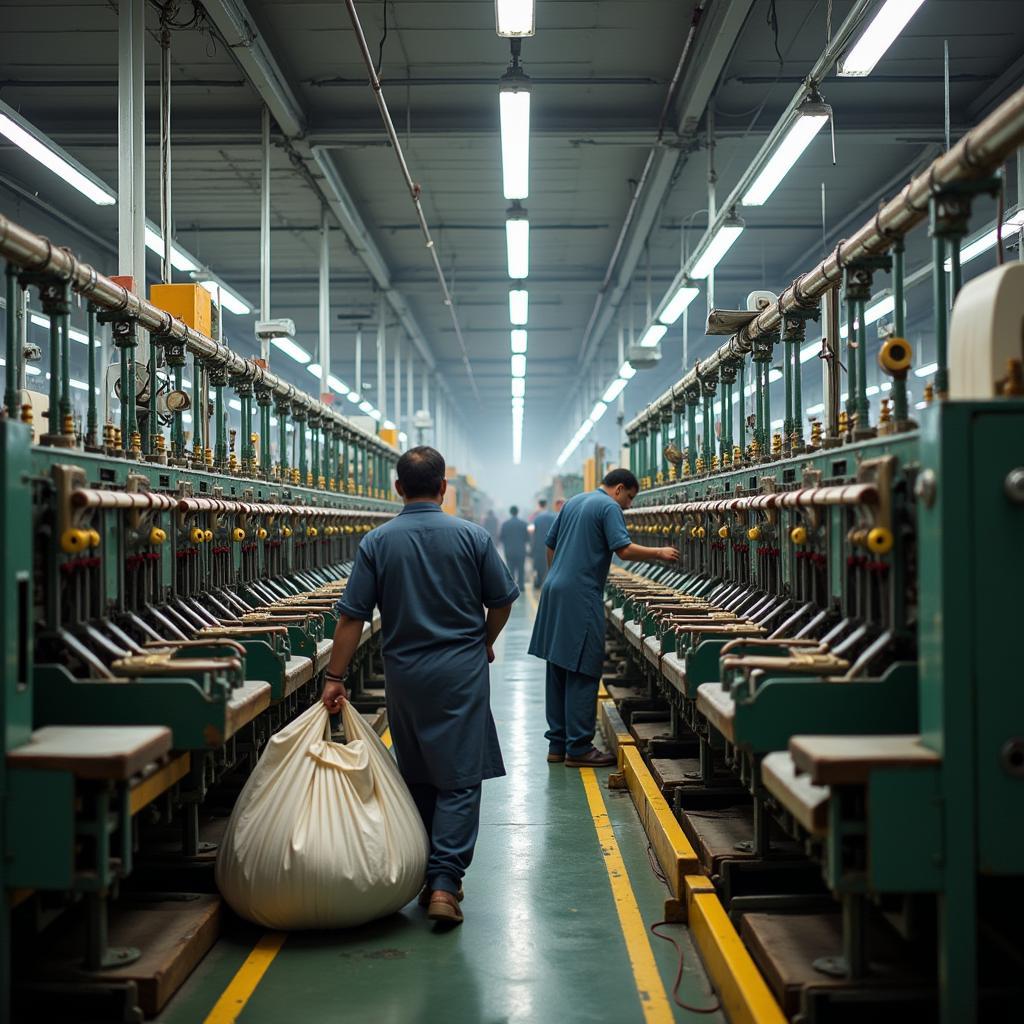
{"type": "Point", "coordinates": [344, 462]}
{"type": "Point", "coordinates": [283, 410]}
{"type": "Point", "coordinates": [92, 420]}
{"type": "Point", "coordinates": [899, 384]}
{"type": "Point", "coordinates": [798, 399]}
{"type": "Point", "coordinates": [741, 405]}
{"type": "Point", "coordinates": [851, 360]}
{"type": "Point", "coordinates": [941, 312]}
{"type": "Point", "coordinates": [11, 398]}
{"type": "Point", "coordinates": [220, 454]}
{"type": "Point", "coordinates": [759, 405]}
{"type": "Point", "coordinates": [863, 406]}
{"type": "Point", "coordinates": [151, 419]}
{"type": "Point", "coordinates": [54, 426]}
{"type": "Point", "coordinates": [65, 365]}
{"type": "Point", "coordinates": [200, 402]}
{"type": "Point", "coordinates": [300, 429]}
{"type": "Point", "coordinates": [766, 393]}
{"type": "Point", "coordinates": [264, 402]}
{"type": "Point", "coordinates": [177, 427]}
{"type": "Point", "coordinates": [788, 379]}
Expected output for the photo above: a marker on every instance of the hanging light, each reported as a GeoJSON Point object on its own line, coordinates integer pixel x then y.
{"type": "Point", "coordinates": [723, 240]}
{"type": "Point", "coordinates": [514, 19]}
{"type": "Point", "coordinates": [517, 241]}
{"type": "Point", "coordinates": [519, 342]}
{"type": "Point", "coordinates": [514, 113]}
{"type": "Point", "coordinates": [885, 27]}
{"type": "Point", "coordinates": [811, 116]}
{"type": "Point", "coordinates": [680, 301]}
{"type": "Point", "coordinates": [518, 306]}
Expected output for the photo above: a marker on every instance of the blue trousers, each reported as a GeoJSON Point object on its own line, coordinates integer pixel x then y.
{"type": "Point", "coordinates": [452, 820]}
{"type": "Point", "coordinates": [572, 710]}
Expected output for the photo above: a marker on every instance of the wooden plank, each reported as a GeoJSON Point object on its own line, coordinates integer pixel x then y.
{"type": "Point", "coordinates": [158, 781]}
{"type": "Point", "coordinates": [717, 706]}
{"type": "Point", "coordinates": [670, 772]}
{"type": "Point", "coordinates": [652, 650]}
{"type": "Point", "coordinates": [673, 668]}
{"type": "Point", "coordinates": [617, 619]}
{"type": "Point", "coordinates": [246, 702]}
{"type": "Point", "coordinates": [297, 672]}
{"type": "Point", "coordinates": [613, 729]}
{"type": "Point", "coordinates": [807, 802]}
{"type": "Point", "coordinates": [644, 732]}
{"type": "Point", "coordinates": [673, 850]}
{"type": "Point", "coordinates": [619, 693]}
{"type": "Point", "coordinates": [323, 653]}
{"type": "Point", "coordinates": [93, 751]}
{"type": "Point", "coordinates": [848, 760]}
{"type": "Point", "coordinates": [633, 633]}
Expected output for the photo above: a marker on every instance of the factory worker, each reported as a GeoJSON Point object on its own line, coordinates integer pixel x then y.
{"type": "Point", "coordinates": [569, 630]}
{"type": "Point", "coordinates": [432, 576]}
{"type": "Point", "coordinates": [542, 523]}
{"type": "Point", "coordinates": [514, 536]}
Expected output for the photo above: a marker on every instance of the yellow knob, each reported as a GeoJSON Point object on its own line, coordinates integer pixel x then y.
{"type": "Point", "coordinates": [157, 536]}
{"type": "Point", "coordinates": [94, 538]}
{"type": "Point", "coordinates": [880, 540]}
{"type": "Point", "coordinates": [754, 533]}
{"type": "Point", "coordinates": [348, 529]}
{"type": "Point", "coordinates": [208, 535]}
{"type": "Point", "coordinates": [895, 355]}
{"type": "Point", "coordinates": [723, 532]}
{"type": "Point", "coordinates": [197, 536]}
{"type": "Point", "coordinates": [261, 533]}
{"type": "Point", "coordinates": [238, 534]}
{"type": "Point", "coordinates": [286, 531]}
{"type": "Point", "coordinates": [798, 535]}
{"type": "Point", "coordinates": [74, 541]}
{"type": "Point", "coordinates": [693, 533]}
{"type": "Point", "coordinates": [700, 532]}
{"type": "Point", "coordinates": [311, 531]}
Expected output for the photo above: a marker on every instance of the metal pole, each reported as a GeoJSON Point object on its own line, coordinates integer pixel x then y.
{"type": "Point", "coordinates": [324, 352]}
{"type": "Point", "coordinates": [382, 369]}
{"type": "Point", "coordinates": [396, 414]}
{"type": "Point", "coordinates": [359, 362]}
{"type": "Point", "coordinates": [830, 367]}
{"type": "Point", "coordinates": [165, 150]}
{"type": "Point", "coordinates": [11, 397]}
{"type": "Point", "coordinates": [265, 235]}
{"type": "Point", "coordinates": [712, 179]}
{"type": "Point", "coordinates": [131, 141]}
{"type": "Point", "coordinates": [410, 395]}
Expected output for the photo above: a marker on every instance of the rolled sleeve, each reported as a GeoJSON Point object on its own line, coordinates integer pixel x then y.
{"type": "Point", "coordinates": [615, 533]}
{"type": "Point", "coordinates": [497, 588]}
{"type": "Point", "coordinates": [360, 595]}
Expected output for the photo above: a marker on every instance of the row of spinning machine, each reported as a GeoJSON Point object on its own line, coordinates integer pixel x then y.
{"type": "Point", "coordinates": [168, 606]}
{"type": "Point", "coordinates": [823, 686]}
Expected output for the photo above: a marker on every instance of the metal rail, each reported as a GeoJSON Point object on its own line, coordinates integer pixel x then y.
{"type": "Point", "coordinates": [976, 155]}
{"type": "Point", "coordinates": [34, 252]}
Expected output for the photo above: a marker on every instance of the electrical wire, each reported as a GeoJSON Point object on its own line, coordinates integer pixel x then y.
{"type": "Point", "coordinates": [773, 24]}
{"type": "Point", "coordinates": [383, 40]}
{"type": "Point", "coordinates": [679, 973]}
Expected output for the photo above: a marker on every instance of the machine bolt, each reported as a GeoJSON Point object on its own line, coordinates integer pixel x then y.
{"type": "Point", "coordinates": [1012, 757]}
{"type": "Point", "coordinates": [925, 487]}
{"type": "Point", "coordinates": [1014, 485]}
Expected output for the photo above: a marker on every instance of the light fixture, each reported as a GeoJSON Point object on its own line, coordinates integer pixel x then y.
{"type": "Point", "coordinates": [289, 348]}
{"type": "Point", "coordinates": [988, 240]}
{"type": "Point", "coordinates": [808, 352]}
{"type": "Point", "coordinates": [229, 299]}
{"type": "Point", "coordinates": [811, 116]}
{"type": "Point", "coordinates": [816, 410]}
{"type": "Point", "coordinates": [366, 407]}
{"type": "Point", "coordinates": [334, 383]}
{"type": "Point", "coordinates": [518, 403]}
{"type": "Point", "coordinates": [614, 390]}
{"type": "Point", "coordinates": [653, 335]}
{"type": "Point", "coordinates": [519, 366]}
{"type": "Point", "coordinates": [155, 243]}
{"type": "Point", "coordinates": [682, 298]}
{"type": "Point", "coordinates": [927, 370]}
{"type": "Point", "coordinates": [518, 387]}
{"type": "Point", "coordinates": [519, 342]}
{"type": "Point", "coordinates": [514, 19]}
{"type": "Point", "coordinates": [882, 307]}
{"type": "Point", "coordinates": [235, 404]}
{"type": "Point", "coordinates": [353, 397]}
{"type": "Point", "coordinates": [518, 306]}
{"type": "Point", "coordinates": [600, 408]}
{"type": "Point", "coordinates": [723, 240]}
{"type": "Point", "coordinates": [514, 115]}
{"type": "Point", "coordinates": [627, 371]}
{"type": "Point", "coordinates": [388, 425]}
{"type": "Point", "coordinates": [403, 437]}
{"type": "Point", "coordinates": [32, 141]}
{"type": "Point", "coordinates": [886, 25]}
{"type": "Point", "coordinates": [517, 241]}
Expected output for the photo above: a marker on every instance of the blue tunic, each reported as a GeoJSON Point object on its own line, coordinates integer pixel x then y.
{"type": "Point", "coordinates": [542, 523]}
{"type": "Point", "coordinates": [432, 575]}
{"type": "Point", "coordinates": [569, 628]}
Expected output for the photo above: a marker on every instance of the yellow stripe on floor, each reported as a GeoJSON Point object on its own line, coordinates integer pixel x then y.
{"type": "Point", "coordinates": [649, 986]}
{"type": "Point", "coordinates": [244, 983]}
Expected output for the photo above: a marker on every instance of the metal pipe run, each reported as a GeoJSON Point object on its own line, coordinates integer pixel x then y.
{"type": "Point", "coordinates": [33, 252]}
{"type": "Point", "coordinates": [975, 156]}
{"type": "Point", "coordinates": [412, 186]}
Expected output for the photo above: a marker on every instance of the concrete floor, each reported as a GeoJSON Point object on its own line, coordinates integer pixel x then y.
{"type": "Point", "coordinates": [542, 940]}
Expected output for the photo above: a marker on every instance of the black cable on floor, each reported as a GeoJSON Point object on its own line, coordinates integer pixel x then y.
{"type": "Point", "coordinates": [679, 974]}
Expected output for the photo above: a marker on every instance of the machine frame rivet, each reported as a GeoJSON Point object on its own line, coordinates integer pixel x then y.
{"type": "Point", "coordinates": [1014, 485]}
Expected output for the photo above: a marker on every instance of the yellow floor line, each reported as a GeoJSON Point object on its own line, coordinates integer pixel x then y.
{"type": "Point", "coordinates": [649, 986]}
{"type": "Point", "coordinates": [244, 983]}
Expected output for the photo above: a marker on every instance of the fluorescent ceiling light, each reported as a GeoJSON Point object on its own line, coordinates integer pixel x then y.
{"type": "Point", "coordinates": [514, 18]}
{"type": "Point", "coordinates": [32, 141]}
{"type": "Point", "coordinates": [388, 425]}
{"type": "Point", "coordinates": [229, 299]}
{"type": "Point", "coordinates": [517, 241]}
{"type": "Point", "coordinates": [518, 387]}
{"type": "Point", "coordinates": [777, 424]}
{"type": "Point", "coordinates": [519, 366]}
{"type": "Point", "coordinates": [518, 403]}
{"type": "Point", "coordinates": [353, 397]}
{"type": "Point", "coordinates": [774, 375]}
{"type": "Point", "coordinates": [614, 390]}
{"type": "Point", "coordinates": [874, 312]}
{"type": "Point", "coordinates": [810, 119]}
{"type": "Point", "coordinates": [32, 371]}
{"type": "Point", "coordinates": [514, 110]}
{"type": "Point", "coordinates": [403, 437]}
{"type": "Point", "coordinates": [627, 371]}
{"type": "Point", "coordinates": [927, 370]}
{"type": "Point", "coordinates": [808, 352]}
{"type": "Point", "coordinates": [886, 25]}
{"type": "Point", "coordinates": [816, 410]}
{"type": "Point", "coordinates": [375, 414]}
{"type": "Point", "coordinates": [289, 348]}
{"type": "Point", "coordinates": [334, 383]}
{"type": "Point", "coordinates": [988, 240]}
{"type": "Point", "coordinates": [723, 241]}
{"type": "Point", "coordinates": [518, 306]}
{"type": "Point", "coordinates": [235, 404]}
{"type": "Point", "coordinates": [78, 385]}
{"type": "Point", "coordinates": [872, 390]}
{"type": "Point", "coordinates": [653, 335]}
{"type": "Point", "coordinates": [366, 407]}
{"type": "Point", "coordinates": [600, 408]}
{"type": "Point", "coordinates": [519, 341]}
{"type": "Point", "coordinates": [682, 298]}
{"type": "Point", "coordinates": [155, 243]}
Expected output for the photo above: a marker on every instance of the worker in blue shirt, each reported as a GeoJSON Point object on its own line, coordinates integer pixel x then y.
{"type": "Point", "coordinates": [542, 522]}
{"type": "Point", "coordinates": [432, 575]}
{"type": "Point", "coordinates": [514, 534]}
{"type": "Point", "coordinates": [569, 629]}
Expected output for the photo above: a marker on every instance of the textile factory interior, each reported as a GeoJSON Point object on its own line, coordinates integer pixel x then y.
{"type": "Point", "coordinates": [741, 280]}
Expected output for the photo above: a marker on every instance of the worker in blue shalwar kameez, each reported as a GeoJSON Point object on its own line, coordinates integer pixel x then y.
{"type": "Point", "coordinates": [542, 523]}
{"type": "Point", "coordinates": [432, 576]}
{"type": "Point", "coordinates": [569, 629]}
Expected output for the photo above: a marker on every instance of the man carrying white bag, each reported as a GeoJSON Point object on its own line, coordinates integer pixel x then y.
{"type": "Point", "coordinates": [324, 835]}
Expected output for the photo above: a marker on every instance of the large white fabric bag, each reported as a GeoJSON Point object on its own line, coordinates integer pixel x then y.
{"type": "Point", "coordinates": [324, 835]}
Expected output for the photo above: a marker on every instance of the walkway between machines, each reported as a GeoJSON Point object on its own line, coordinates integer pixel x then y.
{"type": "Point", "coordinates": [542, 940]}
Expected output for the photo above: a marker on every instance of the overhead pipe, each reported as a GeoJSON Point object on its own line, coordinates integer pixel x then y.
{"type": "Point", "coordinates": [979, 153]}
{"type": "Point", "coordinates": [412, 186]}
{"type": "Point", "coordinates": [33, 252]}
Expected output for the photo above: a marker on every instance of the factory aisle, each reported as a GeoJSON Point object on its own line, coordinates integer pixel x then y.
{"type": "Point", "coordinates": [542, 940]}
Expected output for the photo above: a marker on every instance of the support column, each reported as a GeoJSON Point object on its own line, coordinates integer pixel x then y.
{"type": "Point", "coordinates": [131, 141]}
{"type": "Point", "coordinates": [382, 369]}
{"type": "Point", "coordinates": [324, 352]}
{"type": "Point", "coordinates": [265, 235]}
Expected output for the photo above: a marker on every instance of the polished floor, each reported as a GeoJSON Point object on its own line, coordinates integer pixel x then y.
{"type": "Point", "coordinates": [543, 939]}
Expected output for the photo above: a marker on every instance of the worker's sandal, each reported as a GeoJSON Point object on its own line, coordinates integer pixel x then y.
{"type": "Point", "coordinates": [444, 906]}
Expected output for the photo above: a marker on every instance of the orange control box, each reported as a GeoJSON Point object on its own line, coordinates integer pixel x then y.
{"type": "Point", "coordinates": [189, 303]}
